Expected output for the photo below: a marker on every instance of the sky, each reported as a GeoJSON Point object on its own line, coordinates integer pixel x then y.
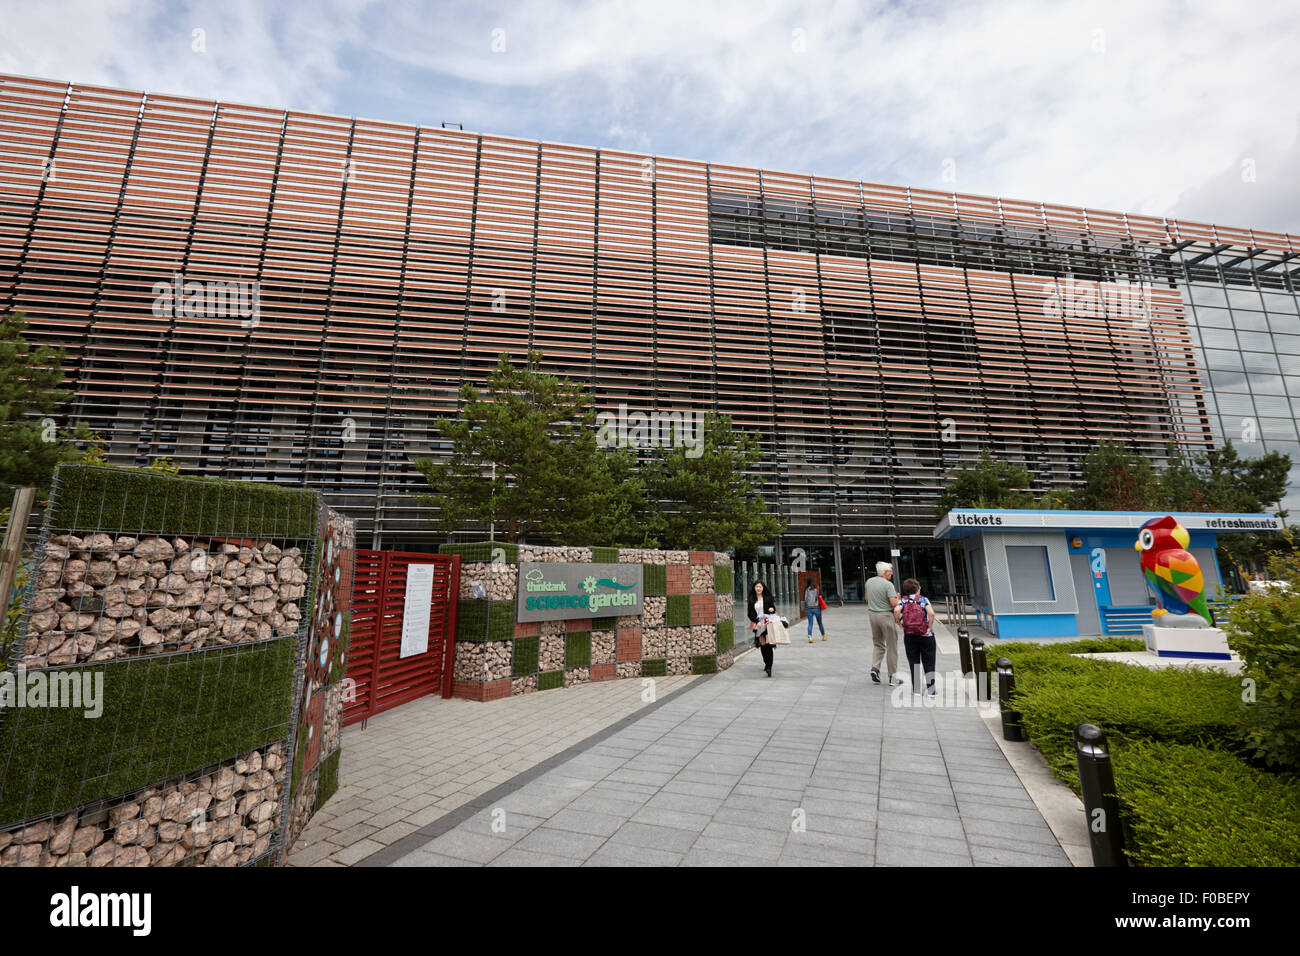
{"type": "Point", "coordinates": [1182, 109]}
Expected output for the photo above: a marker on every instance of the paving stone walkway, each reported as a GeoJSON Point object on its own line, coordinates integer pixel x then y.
{"type": "Point", "coordinates": [814, 766]}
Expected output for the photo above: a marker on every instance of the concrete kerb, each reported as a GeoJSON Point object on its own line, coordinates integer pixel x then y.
{"type": "Point", "coordinates": [453, 818]}
{"type": "Point", "coordinates": [1061, 809]}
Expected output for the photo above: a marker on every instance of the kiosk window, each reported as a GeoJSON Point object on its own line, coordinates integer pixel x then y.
{"type": "Point", "coordinates": [1030, 572]}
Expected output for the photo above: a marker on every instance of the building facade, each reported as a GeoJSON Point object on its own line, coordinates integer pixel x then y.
{"type": "Point", "coordinates": [291, 297]}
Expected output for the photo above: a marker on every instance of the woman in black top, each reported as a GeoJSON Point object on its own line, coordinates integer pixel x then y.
{"type": "Point", "coordinates": [760, 596]}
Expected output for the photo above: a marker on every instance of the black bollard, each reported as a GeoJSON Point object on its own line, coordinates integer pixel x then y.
{"type": "Point", "coordinates": [1011, 729]}
{"type": "Point", "coordinates": [963, 648]}
{"type": "Point", "coordinates": [1097, 782]}
{"type": "Point", "coordinates": [980, 663]}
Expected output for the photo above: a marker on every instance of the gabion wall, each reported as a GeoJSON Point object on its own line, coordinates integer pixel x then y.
{"type": "Point", "coordinates": [188, 602]}
{"type": "Point", "coordinates": [685, 627]}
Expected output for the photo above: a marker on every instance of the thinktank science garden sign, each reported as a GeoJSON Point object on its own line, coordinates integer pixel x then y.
{"type": "Point", "coordinates": [556, 591]}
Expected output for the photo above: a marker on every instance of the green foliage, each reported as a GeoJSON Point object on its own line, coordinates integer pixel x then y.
{"type": "Point", "coordinates": [722, 578]}
{"type": "Point", "coordinates": [1056, 692]}
{"type": "Point", "coordinates": [483, 550]}
{"type": "Point", "coordinates": [604, 555]}
{"type": "Point", "coordinates": [550, 680]}
{"type": "Point", "coordinates": [525, 656]}
{"type": "Point", "coordinates": [654, 667]}
{"type": "Point", "coordinates": [31, 445]}
{"type": "Point", "coordinates": [656, 580]}
{"type": "Point", "coordinates": [1185, 805]}
{"type": "Point", "coordinates": [679, 610]}
{"type": "Point", "coordinates": [338, 654]}
{"type": "Point", "coordinates": [1116, 479]}
{"type": "Point", "coordinates": [478, 620]}
{"type": "Point", "coordinates": [577, 649]}
{"type": "Point", "coordinates": [988, 483]}
{"type": "Point", "coordinates": [726, 636]}
{"type": "Point", "coordinates": [603, 623]}
{"type": "Point", "coordinates": [131, 499]}
{"type": "Point", "coordinates": [704, 664]}
{"type": "Point", "coordinates": [710, 502]}
{"type": "Point", "coordinates": [328, 781]}
{"type": "Point", "coordinates": [14, 607]}
{"type": "Point", "coordinates": [1264, 628]}
{"type": "Point", "coordinates": [162, 717]}
{"type": "Point", "coordinates": [524, 455]}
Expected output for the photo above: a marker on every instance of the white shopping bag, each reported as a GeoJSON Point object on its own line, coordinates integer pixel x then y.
{"type": "Point", "coordinates": [776, 631]}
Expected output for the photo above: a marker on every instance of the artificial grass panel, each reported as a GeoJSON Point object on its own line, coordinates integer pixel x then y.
{"type": "Point", "coordinates": [604, 623]}
{"type": "Point", "coordinates": [604, 555]}
{"type": "Point", "coordinates": [338, 669]}
{"type": "Point", "coordinates": [656, 580]}
{"type": "Point", "coordinates": [679, 610]}
{"type": "Point", "coordinates": [549, 680]}
{"type": "Point", "coordinates": [482, 551]}
{"type": "Point", "coordinates": [1184, 805]}
{"type": "Point", "coordinates": [478, 620]}
{"type": "Point", "coordinates": [654, 667]}
{"type": "Point", "coordinates": [704, 664]}
{"type": "Point", "coordinates": [524, 659]}
{"type": "Point", "coordinates": [162, 717]}
{"type": "Point", "coordinates": [726, 636]}
{"type": "Point", "coordinates": [99, 497]}
{"type": "Point", "coordinates": [722, 580]}
{"type": "Point", "coordinates": [577, 649]}
{"type": "Point", "coordinates": [328, 781]}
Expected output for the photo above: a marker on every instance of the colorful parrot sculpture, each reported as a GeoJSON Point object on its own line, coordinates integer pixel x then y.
{"type": "Point", "coordinates": [1171, 571]}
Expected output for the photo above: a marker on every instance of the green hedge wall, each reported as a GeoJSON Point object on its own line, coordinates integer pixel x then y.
{"type": "Point", "coordinates": [722, 578]}
{"type": "Point", "coordinates": [726, 636]}
{"type": "Point", "coordinates": [524, 658]}
{"type": "Point", "coordinates": [656, 580]}
{"type": "Point", "coordinates": [162, 717]}
{"type": "Point", "coordinates": [577, 649]}
{"type": "Point", "coordinates": [478, 620]}
{"type": "Point", "coordinates": [549, 680]}
{"type": "Point", "coordinates": [704, 664]}
{"type": "Point", "coordinates": [482, 551]}
{"type": "Point", "coordinates": [604, 555]}
{"type": "Point", "coordinates": [654, 667]}
{"type": "Point", "coordinates": [99, 497]}
{"type": "Point", "coordinates": [679, 610]}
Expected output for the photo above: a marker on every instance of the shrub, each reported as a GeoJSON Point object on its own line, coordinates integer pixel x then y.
{"type": "Point", "coordinates": [1184, 805]}
{"type": "Point", "coordinates": [1264, 628]}
{"type": "Point", "coordinates": [1056, 693]}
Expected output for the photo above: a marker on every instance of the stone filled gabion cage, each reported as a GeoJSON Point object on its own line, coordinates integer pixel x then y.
{"type": "Point", "coordinates": [685, 626]}
{"type": "Point", "coordinates": [188, 604]}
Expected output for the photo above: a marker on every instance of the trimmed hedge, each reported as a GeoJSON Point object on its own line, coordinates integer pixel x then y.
{"type": "Point", "coordinates": [577, 649]}
{"type": "Point", "coordinates": [162, 717]}
{"type": "Point", "coordinates": [482, 551]}
{"type": "Point", "coordinates": [478, 620]}
{"type": "Point", "coordinates": [654, 667]}
{"type": "Point", "coordinates": [549, 680]}
{"type": "Point", "coordinates": [525, 655]}
{"type": "Point", "coordinates": [722, 578]}
{"type": "Point", "coordinates": [604, 555]}
{"type": "Point", "coordinates": [1184, 805]}
{"type": "Point", "coordinates": [101, 497]}
{"type": "Point", "coordinates": [704, 664]}
{"type": "Point", "coordinates": [726, 636]}
{"type": "Point", "coordinates": [656, 580]}
{"type": "Point", "coordinates": [679, 610]}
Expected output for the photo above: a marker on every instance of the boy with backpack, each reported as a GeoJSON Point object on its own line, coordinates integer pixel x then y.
{"type": "Point", "coordinates": [916, 616]}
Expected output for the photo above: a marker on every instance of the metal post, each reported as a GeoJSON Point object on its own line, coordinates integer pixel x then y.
{"type": "Point", "coordinates": [979, 661]}
{"type": "Point", "coordinates": [947, 566]}
{"type": "Point", "coordinates": [839, 576]}
{"type": "Point", "coordinates": [1011, 728]}
{"type": "Point", "coordinates": [1097, 783]}
{"type": "Point", "coordinates": [963, 649]}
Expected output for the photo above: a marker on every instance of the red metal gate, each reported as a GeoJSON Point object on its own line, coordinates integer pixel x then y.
{"type": "Point", "coordinates": [381, 679]}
